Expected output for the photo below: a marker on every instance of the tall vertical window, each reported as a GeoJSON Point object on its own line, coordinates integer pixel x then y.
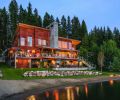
{"type": "Point", "coordinates": [59, 44]}
{"type": "Point", "coordinates": [64, 45]}
{"type": "Point", "coordinates": [39, 42]}
{"type": "Point", "coordinates": [29, 41]}
{"type": "Point", "coordinates": [70, 45]}
{"type": "Point", "coordinates": [22, 41]}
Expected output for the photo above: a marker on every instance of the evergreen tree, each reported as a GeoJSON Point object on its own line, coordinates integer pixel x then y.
{"type": "Point", "coordinates": [1, 31]}
{"type": "Point", "coordinates": [52, 19]}
{"type": "Point", "coordinates": [22, 15]}
{"type": "Point", "coordinates": [36, 18]}
{"type": "Point", "coordinates": [4, 16]}
{"type": "Point", "coordinates": [13, 13]}
{"type": "Point", "coordinates": [30, 17]}
{"type": "Point", "coordinates": [117, 36]}
{"type": "Point", "coordinates": [69, 30]}
{"type": "Point", "coordinates": [46, 20]}
{"type": "Point", "coordinates": [83, 29]}
{"type": "Point", "coordinates": [76, 28]}
{"type": "Point", "coordinates": [40, 21]}
{"type": "Point", "coordinates": [59, 26]}
{"type": "Point", "coordinates": [63, 27]}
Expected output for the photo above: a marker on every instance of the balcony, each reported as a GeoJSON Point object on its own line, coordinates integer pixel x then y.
{"type": "Point", "coordinates": [46, 55]}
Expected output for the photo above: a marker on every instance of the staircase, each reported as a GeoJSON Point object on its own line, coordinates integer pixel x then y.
{"type": "Point", "coordinates": [87, 63]}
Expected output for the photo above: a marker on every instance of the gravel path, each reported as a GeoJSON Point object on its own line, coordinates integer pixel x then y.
{"type": "Point", "coordinates": [10, 87]}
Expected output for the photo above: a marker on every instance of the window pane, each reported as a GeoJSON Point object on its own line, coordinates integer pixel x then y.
{"type": "Point", "coordinates": [29, 41]}
{"type": "Point", "coordinates": [43, 42]}
{"type": "Point", "coordinates": [22, 41]}
{"type": "Point", "coordinates": [39, 42]}
{"type": "Point", "coordinates": [70, 45]}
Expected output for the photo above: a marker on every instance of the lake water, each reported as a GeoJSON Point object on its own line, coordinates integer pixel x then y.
{"type": "Point", "coordinates": [97, 91]}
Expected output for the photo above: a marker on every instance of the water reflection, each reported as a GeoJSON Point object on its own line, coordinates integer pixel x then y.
{"type": "Point", "coordinates": [86, 89]}
{"type": "Point", "coordinates": [32, 97]}
{"type": "Point", "coordinates": [56, 94]}
{"type": "Point", "coordinates": [111, 82]}
{"type": "Point", "coordinates": [99, 91]}
{"type": "Point", "coordinates": [77, 90]}
{"type": "Point", "coordinates": [47, 94]}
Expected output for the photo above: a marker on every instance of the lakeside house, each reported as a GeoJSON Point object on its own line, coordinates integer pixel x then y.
{"type": "Point", "coordinates": [35, 47]}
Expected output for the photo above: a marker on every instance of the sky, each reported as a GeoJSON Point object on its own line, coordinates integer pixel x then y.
{"type": "Point", "coordinates": [94, 12]}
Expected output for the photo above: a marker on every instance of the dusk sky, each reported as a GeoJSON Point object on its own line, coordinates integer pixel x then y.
{"type": "Point", "coordinates": [94, 12]}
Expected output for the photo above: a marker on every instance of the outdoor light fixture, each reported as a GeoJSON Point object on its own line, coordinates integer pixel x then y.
{"type": "Point", "coordinates": [11, 51]}
{"type": "Point", "coordinates": [33, 51]}
{"type": "Point", "coordinates": [16, 60]}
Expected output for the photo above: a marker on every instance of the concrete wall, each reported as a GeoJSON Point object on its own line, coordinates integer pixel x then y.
{"type": "Point", "coordinates": [54, 35]}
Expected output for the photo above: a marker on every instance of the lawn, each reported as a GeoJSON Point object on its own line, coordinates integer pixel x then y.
{"type": "Point", "coordinates": [17, 74]}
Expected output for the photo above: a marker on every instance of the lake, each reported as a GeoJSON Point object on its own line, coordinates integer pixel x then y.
{"type": "Point", "coordinates": [109, 90]}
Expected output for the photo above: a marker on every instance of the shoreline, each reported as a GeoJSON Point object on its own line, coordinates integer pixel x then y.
{"type": "Point", "coordinates": [9, 88]}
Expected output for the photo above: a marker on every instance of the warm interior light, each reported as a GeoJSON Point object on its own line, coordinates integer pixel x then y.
{"type": "Point", "coordinates": [53, 62]}
{"type": "Point", "coordinates": [33, 51]}
{"type": "Point", "coordinates": [11, 51]}
{"type": "Point", "coordinates": [32, 97]}
{"type": "Point", "coordinates": [16, 60]}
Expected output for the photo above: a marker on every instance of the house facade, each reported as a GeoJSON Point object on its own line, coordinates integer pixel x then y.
{"type": "Point", "coordinates": [40, 47]}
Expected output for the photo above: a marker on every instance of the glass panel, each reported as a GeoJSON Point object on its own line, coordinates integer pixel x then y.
{"type": "Point", "coordinates": [70, 45]}
{"type": "Point", "coordinates": [29, 41]}
{"type": "Point", "coordinates": [59, 44]}
{"type": "Point", "coordinates": [22, 41]}
{"type": "Point", "coordinates": [43, 42]}
{"type": "Point", "coordinates": [39, 42]}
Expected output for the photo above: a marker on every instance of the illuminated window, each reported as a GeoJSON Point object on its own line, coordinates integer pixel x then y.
{"type": "Point", "coordinates": [64, 45]}
{"type": "Point", "coordinates": [70, 45]}
{"type": "Point", "coordinates": [22, 41]}
{"type": "Point", "coordinates": [59, 44]}
{"type": "Point", "coordinates": [29, 41]}
{"type": "Point", "coordinates": [44, 42]}
{"type": "Point", "coordinates": [39, 42]}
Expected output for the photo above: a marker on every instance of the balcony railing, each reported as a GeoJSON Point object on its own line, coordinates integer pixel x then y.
{"type": "Point", "coordinates": [45, 55]}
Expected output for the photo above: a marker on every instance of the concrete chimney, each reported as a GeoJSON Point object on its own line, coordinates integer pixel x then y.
{"type": "Point", "coordinates": [54, 35]}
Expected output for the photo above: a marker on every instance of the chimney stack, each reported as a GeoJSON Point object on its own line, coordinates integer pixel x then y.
{"type": "Point", "coordinates": [54, 35]}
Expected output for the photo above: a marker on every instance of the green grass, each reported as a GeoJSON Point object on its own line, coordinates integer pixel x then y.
{"type": "Point", "coordinates": [17, 74]}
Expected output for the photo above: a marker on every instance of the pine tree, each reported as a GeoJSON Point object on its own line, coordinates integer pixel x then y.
{"type": "Point", "coordinates": [36, 17]}
{"type": "Point", "coordinates": [84, 30]}
{"type": "Point", "coordinates": [1, 28]}
{"type": "Point", "coordinates": [76, 28]}
{"type": "Point", "coordinates": [22, 15]}
{"type": "Point", "coordinates": [46, 20]}
{"type": "Point", "coordinates": [30, 19]}
{"type": "Point", "coordinates": [117, 36]}
{"type": "Point", "coordinates": [69, 30]}
{"type": "Point", "coordinates": [59, 26]}
{"type": "Point", "coordinates": [52, 19]}
{"type": "Point", "coordinates": [4, 16]}
{"type": "Point", "coordinates": [63, 32]}
{"type": "Point", "coordinates": [13, 13]}
{"type": "Point", "coordinates": [40, 21]}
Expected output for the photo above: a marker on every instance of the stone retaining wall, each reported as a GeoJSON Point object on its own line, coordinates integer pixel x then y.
{"type": "Point", "coordinates": [59, 73]}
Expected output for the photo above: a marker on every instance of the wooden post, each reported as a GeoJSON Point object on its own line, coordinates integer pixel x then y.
{"type": "Point", "coordinates": [15, 60]}
{"type": "Point", "coordinates": [30, 63]}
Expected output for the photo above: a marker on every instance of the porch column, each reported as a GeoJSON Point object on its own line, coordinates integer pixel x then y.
{"type": "Point", "coordinates": [15, 61]}
{"type": "Point", "coordinates": [29, 63]}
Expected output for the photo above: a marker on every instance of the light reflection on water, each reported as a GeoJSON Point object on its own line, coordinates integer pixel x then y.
{"type": "Point", "coordinates": [99, 91]}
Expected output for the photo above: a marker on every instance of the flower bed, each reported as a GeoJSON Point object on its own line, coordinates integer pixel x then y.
{"type": "Point", "coordinates": [59, 73]}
